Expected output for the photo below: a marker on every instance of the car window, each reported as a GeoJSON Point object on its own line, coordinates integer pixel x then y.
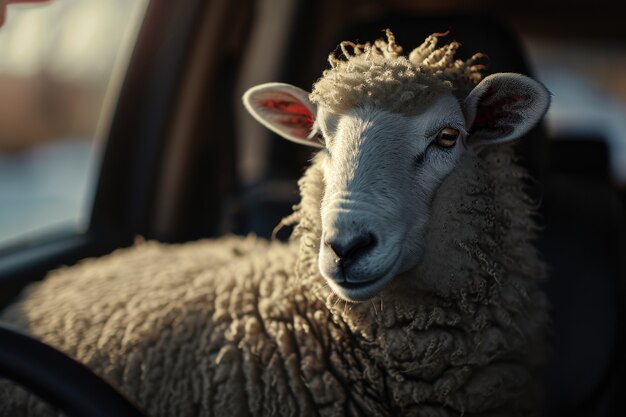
{"type": "Point", "coordinates": [60, 62]}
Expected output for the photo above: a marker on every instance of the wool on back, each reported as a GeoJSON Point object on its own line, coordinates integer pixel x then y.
{"type": "Point", "coordinates": [242, 326]}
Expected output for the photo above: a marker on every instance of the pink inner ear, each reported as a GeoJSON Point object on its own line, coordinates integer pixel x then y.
{"type": "Point", "coordinates": [496, 115]}
{"type": "Point", "coordinates": [293, 115]}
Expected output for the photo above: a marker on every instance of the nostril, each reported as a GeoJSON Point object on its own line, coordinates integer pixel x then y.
{"type": "Point", "coordinates": [353, 248]}
{"type": "Point", "coordinates": [362, 242]}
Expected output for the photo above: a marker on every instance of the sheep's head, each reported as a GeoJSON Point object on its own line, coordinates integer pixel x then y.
{"type": "Point", "coordinates": [391, 129]}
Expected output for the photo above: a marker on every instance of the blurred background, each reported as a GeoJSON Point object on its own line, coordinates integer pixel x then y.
{"type": "Point", "coordinates": [56, 61]}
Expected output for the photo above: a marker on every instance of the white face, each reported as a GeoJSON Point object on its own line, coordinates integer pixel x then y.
{"type": "Point", "coordinates": [382, 170]}
{"type": "Point", "coordinates": [381, 173]}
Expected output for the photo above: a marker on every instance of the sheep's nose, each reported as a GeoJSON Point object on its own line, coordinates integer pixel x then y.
{"type": "Point", "coordinates": [349, 250]}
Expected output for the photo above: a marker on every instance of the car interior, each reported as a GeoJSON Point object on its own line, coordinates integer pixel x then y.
{"type": "Point", "coordinates": [179, 159]}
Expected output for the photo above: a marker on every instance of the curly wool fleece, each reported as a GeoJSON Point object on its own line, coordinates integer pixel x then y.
{"type": "Point", "coordinates": [381, 76]}
{"type": "Point", "coordinates": [242, 326]}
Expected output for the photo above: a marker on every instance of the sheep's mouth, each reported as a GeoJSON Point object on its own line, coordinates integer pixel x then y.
{"type": "Point", "coordinates": [356, 285]}
{"type": "Point", "coordinates": [360, 291]}
{"type": "Point", "coordinates": [363, 290]}
{"type": "Point", "coordinates": [363, 281]}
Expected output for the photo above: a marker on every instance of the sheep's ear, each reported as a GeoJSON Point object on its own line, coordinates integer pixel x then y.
{"type": "Point", "coordinates": [503, 107]}
{"type": "Point", "coordinates": [284, 109]}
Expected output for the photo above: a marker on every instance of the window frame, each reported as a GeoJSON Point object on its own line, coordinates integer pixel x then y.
{"type": "Point", "coordinates": [131, 154]}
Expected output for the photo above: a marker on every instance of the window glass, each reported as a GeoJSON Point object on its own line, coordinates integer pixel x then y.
{"type": "Point", "coordinates": [57, 61]}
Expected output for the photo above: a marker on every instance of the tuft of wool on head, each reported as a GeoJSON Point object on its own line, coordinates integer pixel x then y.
{"type": "Point", "coordinates": [380, 75]}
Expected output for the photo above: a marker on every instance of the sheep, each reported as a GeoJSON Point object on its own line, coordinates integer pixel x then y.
{"type": "Point", "coordinates": [410, 285]}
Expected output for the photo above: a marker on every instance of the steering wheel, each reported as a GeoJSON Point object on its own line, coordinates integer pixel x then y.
{"type": "Point", "coordinates": [58, 379]}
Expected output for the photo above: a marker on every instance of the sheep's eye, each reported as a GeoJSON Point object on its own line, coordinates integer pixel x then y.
{"type": "Point", "coordinates": [446, 138]}
{"type": "Point", "coordinates": [319, 138]}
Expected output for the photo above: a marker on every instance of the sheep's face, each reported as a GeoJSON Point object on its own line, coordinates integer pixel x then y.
{"type": "Point", "coordinates": [381, 172]}
{"type": "Point", "coordinates": [382, 169]}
